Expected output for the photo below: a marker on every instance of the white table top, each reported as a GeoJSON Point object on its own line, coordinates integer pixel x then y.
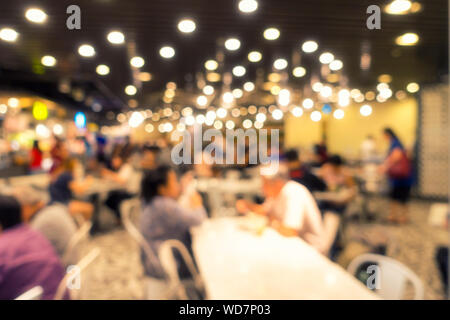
{"type": "Point", "coordinates": [239, 264]}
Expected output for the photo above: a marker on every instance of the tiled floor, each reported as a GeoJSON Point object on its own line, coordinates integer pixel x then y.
{"type": "Point", "coordinates": [117, 273]}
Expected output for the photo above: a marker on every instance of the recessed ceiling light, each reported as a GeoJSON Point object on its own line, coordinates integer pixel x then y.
{"type": "Point", "coordinates": [8, 34]}
{"type": "Point", "coordinates": [398, 7]}
{"type": "Point", "coordinates": [186, 26]}
{"type": "Point", "coordinates": [336, 65]}
{"type": "Point", "coordinates": [386, 78]}
{"type": "Point", "coordinates": [280, 64]}
{"type": "Point", "coordinates": [249, 86]}
{"type": "Point", "coordinates": [309, 46]}
{"type": "Point", "coordinates": [130, 90]}
{"type": "Point", "coordinates": [326, 58]}
{"type": "Point", "coordinates": [407, 39]}
{"type": "Point", "coordinates": [365, 110]}
{"type": "Point", "coordinates": [167, 52]}
{"type": "Point", "coordinates": [208, 90]}
{"type": "Point", "coordinates": [299, 72]}
{"type": "Point", "coordinates": [254, 56]}
{"type": "Point", "coordinates": [102, 69]}
{"type": "Point", "coordinates": [239, 71]}
{"type": "Point", "coordinates": [232, 44]}
{"type": "Point", "coordinates": [316, 116]}
{"type": "Point", "coordinates": [36, 15]}
{"type": "Point", "coordinates": [248, 6]}
{"type": "Point", "coordinates": [86, 50]}
{"type": "Point", "coordinates": [271, 34]}
{"type": "Point", "coordinates": [116, 37]}
{"type": "Point", "coordinates": [211, 65]}
{"type": "Point", "coordinates": [48, 61]}
{"type": "Point", "coordinates": [412, 87]}
{"type": "Point", "coordinates": [137, 62]}
{"type": "Point", "coordinates": [144, 76]}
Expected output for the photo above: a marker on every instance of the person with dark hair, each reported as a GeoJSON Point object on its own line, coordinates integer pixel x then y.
{"type": "Point", "coordinates": [27, 259]}
{"type": "Point", "coordinates": [301, 174]}
{"type": "Point", "coordinates": [398, 168]}
{"type": "Point", "coordinates": [341, 190]}
{"type": "Point", "coordinates": [63, 186]}
{"type": "Point", "coordinates": [163, 218]}
{"type": "Point", "coordinates": [35, 158]}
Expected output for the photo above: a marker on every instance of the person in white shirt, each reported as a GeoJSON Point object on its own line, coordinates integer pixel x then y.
{"type": "Point", "coordinates": [122, 173]}
{"type": "Point", "coordinates": [290, 207]}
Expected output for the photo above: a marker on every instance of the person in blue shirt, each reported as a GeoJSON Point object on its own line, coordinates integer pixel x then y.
{"type": "Point", "coordinates": [398, 168]}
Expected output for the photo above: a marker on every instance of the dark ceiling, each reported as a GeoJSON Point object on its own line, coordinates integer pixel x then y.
{"type": "Point", "coordinates": [338, 26]}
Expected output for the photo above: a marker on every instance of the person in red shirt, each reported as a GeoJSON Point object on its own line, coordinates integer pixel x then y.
{"type": "Point", "coordinates": [36, 157]}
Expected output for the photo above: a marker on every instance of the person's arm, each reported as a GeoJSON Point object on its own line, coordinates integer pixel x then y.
{"type": "Point", "coordinates": [245, 206]}
{"type": "Point", "coordinates": [119, 177]}
{"type": "Point", "coordinates": [393, 157]}
{"type": "Point", "coordinates": [80, 186]}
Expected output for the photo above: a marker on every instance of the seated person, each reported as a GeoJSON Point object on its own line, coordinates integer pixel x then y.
{"type": "Point", "coordinates": [119, 171]}
{"type": "Point", "coordinates": [163, 218]}
{"type": "Point", "coordinates": [338, 180]}
{"type": "Point", "coordinates": [290, 207]}
{"type": "Point", "coordinates": [301, 174]}
{"type": "Point", "coordinates": [53, 221]}
{"type": "Point", "coordinates": [341, 183]}
{"type": "Point", "coordinates": [64, 186]}
{"type": "Point", "coordinates": [27, 259]}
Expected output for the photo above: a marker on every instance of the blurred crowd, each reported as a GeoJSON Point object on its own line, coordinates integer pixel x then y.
{"type": "Point", "coordinates": [299, 199]}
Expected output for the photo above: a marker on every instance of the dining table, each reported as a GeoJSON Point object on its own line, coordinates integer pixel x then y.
{"type": "Point", "coordinates": [240, 259]}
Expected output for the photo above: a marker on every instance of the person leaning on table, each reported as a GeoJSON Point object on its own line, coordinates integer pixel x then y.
{"type": "Point", "coordinates": [290, 207]}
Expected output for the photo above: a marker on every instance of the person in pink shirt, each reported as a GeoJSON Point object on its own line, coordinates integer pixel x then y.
{"type": "Point", "coordinates": [27, 259]}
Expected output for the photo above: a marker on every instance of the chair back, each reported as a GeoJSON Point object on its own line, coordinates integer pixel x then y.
{"type": "Point", "coordinates": [394, 276]}
{"type": "Point", "coordinates": [169, 264]}
{"type": "Point", "coordinates": [32, 294]}
{"type": "Point", "coordinates": [128, 209]}
{"type": "Point", "coordinates": [75, 243]}
{"type": "Point", "coordinates": [81, 266]}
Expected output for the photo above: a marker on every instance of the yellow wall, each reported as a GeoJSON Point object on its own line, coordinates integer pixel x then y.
{"type": "Point", "coordinates": [301, 132]}
{"type": "Point", "coordinates": [345, 136]}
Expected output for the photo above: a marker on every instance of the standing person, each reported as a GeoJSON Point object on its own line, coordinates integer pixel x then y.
{"type": "Point", "coordinates": [27, 259]}
{"type": "Point", "coordinates": [398, 168]}
{"type": "Point", "coordinates": [368, 149]}
{"type": "Point", "coordinates": [35, 158]}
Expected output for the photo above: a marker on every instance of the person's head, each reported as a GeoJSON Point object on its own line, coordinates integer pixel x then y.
{"type": "Point", "coordinates": [292, 159]}
{"type": "Point", "coordinates": [161, 181]}
{"type": "Point", "coordinates": [117, 161]}
{"type": "Point", "coordinates": [390, 134]}
{"type": "Point", "coordinates": [335, 161]}
{"type": "Point", "coordinates": [149, 157]}
{"type": "Point", "coordinates": [10, 213]}
{"type": "Point", "coordinates": [30, 201]}
{"type": "Point", "coordinates": [274, 177]}
{"type": "Point", "coordinates": [36, 144]}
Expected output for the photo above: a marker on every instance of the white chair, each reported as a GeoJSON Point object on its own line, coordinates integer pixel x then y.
{"type": "Point", "coordinates": [75, 243]}
{"type": "Point", "coordinates": [177, 288]}
{"type": "Point", "coordinates": [394, 276]}
{"type": "Point", "coordinates": [32, 294]}
{"type": "Point", "coordinates": [155, 288]}
{"type": "Point", "coordinates": [74, 293]}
